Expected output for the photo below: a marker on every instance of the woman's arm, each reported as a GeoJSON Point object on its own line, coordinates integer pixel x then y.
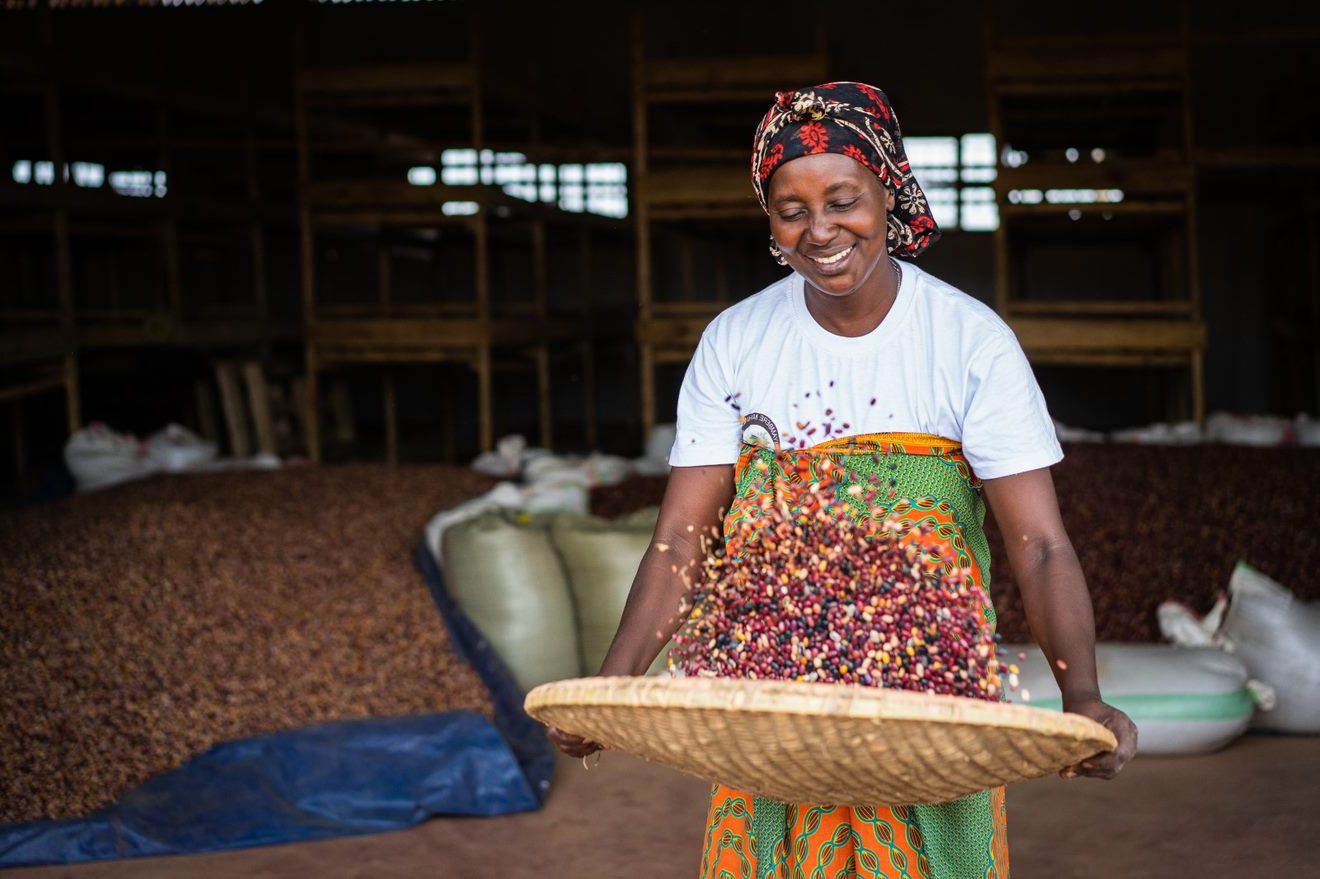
{"type": "Point", "coordinates": [1057, 603]}
{"type": "Point", "coordinates": [693, 508]}
{"type": "Point", "coordinates": [690, 515]}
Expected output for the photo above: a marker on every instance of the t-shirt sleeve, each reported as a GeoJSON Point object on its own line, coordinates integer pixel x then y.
{"type": "Point", "coordinates": [708, 429]}
{"type": "Point", "coordinates": [1006, 428]}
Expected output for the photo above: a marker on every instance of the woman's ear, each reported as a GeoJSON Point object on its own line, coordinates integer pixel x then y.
{"type": "Point", "coordinates": [889, 199]}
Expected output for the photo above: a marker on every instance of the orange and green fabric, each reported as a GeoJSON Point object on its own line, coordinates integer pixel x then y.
{"type": "Point", "coordinates": [925, 481]}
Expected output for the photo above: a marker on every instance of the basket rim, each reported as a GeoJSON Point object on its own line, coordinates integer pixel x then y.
{"type": "Point", "coordinates": [805, 699]}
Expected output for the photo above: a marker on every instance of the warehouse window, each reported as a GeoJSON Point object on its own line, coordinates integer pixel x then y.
{"type": "Point", "coordinates": [594, 188]}
{"type": "Point", "coordinates": [956, 173]}
{"type": "Point", "coordinates": [90, 175]}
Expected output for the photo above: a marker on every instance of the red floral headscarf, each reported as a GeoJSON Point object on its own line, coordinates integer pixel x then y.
{"type": "Point", "coordinates": [855, 120]}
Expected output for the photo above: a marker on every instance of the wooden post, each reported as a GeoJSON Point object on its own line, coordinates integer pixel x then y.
{"type": "Point", "coordinates": [481, 253]}
{"type": "Point", "coordinates": [256, 231]}
{"type": "Point", "coordinates": [383, 279]}
{"type": "Point", "coordinates": [61, 231]}
{"type": "Point", "coordinates": [20, 446]}
{"type": "Point", "coordinates": [306, 257]}
{"type": "Point", "coordinates": [448, 444]}
{"type": "Point", "coordinates": [204, 404]}
{"type": "Point", "coordinates": [341, 408]}
{"type": "Point", "coordinates": [169, 226]}
{"type": "Point", "coordinates": [540, 271]}
{"type": "Point", "coordinates": [1193, 273]}
{"type": "Point", "coordinates": [687, 272]}
{"type": "Point", "coordinates": [544, 399]}
{"type": "Point", "coordinates": [231, 400]}
{"type": "Point", "coordinates": [589, 393]}
{"type": "Point", "coordinates": [391, 419]}
{"type": "Point", "coordinates": [311, 406]}
{"type": "Point", "coordinates": [72, 392]}
{"type": "Point", "coordinates": [259, 407]}
{"type": "Point", "coordinates": [642, 217]}
{"type": "Point", "coordinates": [485, 408]}
{"type": "Point", "coordinates": [648, 389]}
{"type": "Point", "coordinates": [1313, 266]}
{"type": "Point", "coordinates": [1198, 386]}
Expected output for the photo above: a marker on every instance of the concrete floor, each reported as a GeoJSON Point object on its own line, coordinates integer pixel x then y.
{"type": "Point", "coordinates": [1248, 811]}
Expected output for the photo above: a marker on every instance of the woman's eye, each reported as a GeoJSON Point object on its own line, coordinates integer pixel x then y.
{"type": "Point", "coordinates": [844, 205]}
{"type": "Point", "coordinates": [790, 216]}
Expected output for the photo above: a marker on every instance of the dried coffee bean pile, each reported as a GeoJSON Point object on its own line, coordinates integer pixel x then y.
{"type": "Point", "coordinates": [144, 624]}
{"type": "Point", "coordinates": [812, 598]}
{"type": "Point", "coordinates": [1153, 523]}
{"type": "Point", "coordinates": [1150, 523]}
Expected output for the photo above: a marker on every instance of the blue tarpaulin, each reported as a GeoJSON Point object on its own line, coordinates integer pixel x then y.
{"type": "Point", "coordinates": [334, 779]}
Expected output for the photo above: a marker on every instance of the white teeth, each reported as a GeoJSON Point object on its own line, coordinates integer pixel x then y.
{"type": "Point", "coordinates": [830, 260]}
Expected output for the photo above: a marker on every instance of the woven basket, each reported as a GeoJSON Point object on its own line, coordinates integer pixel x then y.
{"type": "Point", "coordinates": [820, 743]}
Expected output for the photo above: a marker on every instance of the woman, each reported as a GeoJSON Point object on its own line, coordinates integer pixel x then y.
{"type": "Point", "coordinates": [852, 354]}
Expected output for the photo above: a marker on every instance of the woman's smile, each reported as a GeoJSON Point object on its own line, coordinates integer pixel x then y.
{"type": "Point", "coordinates": [833, 263]}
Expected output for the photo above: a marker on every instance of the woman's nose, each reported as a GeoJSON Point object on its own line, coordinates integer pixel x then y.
{"type": "Point", "coordinates": [821, 228]}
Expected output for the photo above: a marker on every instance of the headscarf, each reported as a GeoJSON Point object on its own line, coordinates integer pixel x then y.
{"type": "Point", "coordinates": [855, 120]}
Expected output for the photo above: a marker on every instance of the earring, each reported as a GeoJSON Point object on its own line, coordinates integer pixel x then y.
{"type": "Point", "coordinates": [776, 252]}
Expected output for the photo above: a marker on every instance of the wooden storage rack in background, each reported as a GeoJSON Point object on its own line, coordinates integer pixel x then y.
{"type": "Point", "coordinates": [471, 332]}
{"type": "Point", "coordinates": [676, 183]}
{"type": "Point", "coordinates": [42, 346]}
{"type": "Point", "coordinates": [1061, 73]}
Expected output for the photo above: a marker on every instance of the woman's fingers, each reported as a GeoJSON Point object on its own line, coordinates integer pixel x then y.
{"type": "Point", "coordinates": [573, 746]}
{"type": "Point", "coordinates": [1108, 764]}
{"type": "Point", "coordinates": [1100, 766]}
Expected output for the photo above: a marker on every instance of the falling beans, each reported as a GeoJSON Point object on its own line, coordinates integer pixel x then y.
{"type": "Point", "coordinates": [812, 598]}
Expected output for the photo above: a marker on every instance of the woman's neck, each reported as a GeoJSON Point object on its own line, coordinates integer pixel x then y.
{"type": "Point", "coordinates": [860, 312]}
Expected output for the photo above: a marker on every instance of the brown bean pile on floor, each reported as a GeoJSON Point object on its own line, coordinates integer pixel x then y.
{"type": "Point", "coordinates": [146, 623]}
{"type": "Point", "coordinates": [1151, 523]}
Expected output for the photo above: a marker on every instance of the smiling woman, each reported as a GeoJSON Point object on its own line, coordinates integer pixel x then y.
{"type": "Point", "coordinates": [828, 218]}
{"type": "Point", "coordinates": [932, 395]}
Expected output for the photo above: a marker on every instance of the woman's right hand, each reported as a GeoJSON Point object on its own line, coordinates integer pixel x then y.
{"type": "Point", "coordinates": [573, 746]}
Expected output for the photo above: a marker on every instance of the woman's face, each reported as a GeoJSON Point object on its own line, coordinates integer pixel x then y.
{"type": "Point", "coordinates": [828, 214]}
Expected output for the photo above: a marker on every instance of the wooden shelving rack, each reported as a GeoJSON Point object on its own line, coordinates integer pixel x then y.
{"type": "Point", "coordinates": [473, 330]}
{"type": "Point", "coordinates": [44, 345]}
{"type": "Point", "coordinates": [1043, 91]}
{"type": "Point", "coordinates": [673, 184]}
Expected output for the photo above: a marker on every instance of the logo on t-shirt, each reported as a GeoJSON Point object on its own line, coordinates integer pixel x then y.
{"type": "Point", "coordinates": [759, 430]}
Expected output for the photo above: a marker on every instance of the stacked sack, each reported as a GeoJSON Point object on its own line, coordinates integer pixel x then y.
{"type": "Point", "coordinates": [1275, 636]}
{"type": "Point", "coordinates": [547, 590]}
{"type": "Point", "coordinates": [1253, 662]}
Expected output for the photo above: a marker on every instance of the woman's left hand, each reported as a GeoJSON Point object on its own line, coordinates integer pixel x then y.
{"type": "Point", "coordinates": [1108, 764]}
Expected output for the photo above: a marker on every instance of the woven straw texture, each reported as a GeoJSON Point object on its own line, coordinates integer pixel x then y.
{"type": "Point", "coordinates": [820, 743]}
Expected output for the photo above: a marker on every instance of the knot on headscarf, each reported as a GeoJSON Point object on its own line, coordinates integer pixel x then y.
{"type": "Point", "coordinates": [857, 121]}
{"type": "Point", "coordinates": [803, 105]}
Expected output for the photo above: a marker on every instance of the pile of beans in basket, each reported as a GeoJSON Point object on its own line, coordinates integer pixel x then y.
{"type": "Point", "coordinates": [813, 597]}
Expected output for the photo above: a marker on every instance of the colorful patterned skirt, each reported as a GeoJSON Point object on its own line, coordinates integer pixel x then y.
{"type": "Point", "coordinates": [923, 480]}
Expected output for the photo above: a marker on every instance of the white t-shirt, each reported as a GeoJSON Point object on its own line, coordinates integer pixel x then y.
{"type": "Point", "coordinates": [939, 363]}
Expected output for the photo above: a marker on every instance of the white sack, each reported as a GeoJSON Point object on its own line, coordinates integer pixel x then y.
{"type": "Point", "coordinates": [535, 499]}
{"type": "Point", "coordinates": [177, 449]}
{"type": "Point", "coordinates": [1247, 430]}
{"type": "Point", "coordinates": [504, 574]}
{"type": "Point", "coordinates": [99, 458]}
{"type": "Point", "coordinates": [1277, 637]}
{"type": "Point", "coordinates": [1183, 700]}
{"type": "Point", "coordinates": [655, 460]}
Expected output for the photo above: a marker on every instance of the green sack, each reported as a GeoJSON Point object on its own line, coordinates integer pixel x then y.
{"type": "Point", "coordinates": [602, 558]}
{"type": "Point", "coordinates": [505, 575]}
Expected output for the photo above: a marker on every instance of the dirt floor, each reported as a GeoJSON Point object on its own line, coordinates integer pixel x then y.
{"type": "Point", "coordinates": [1247, 811]}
